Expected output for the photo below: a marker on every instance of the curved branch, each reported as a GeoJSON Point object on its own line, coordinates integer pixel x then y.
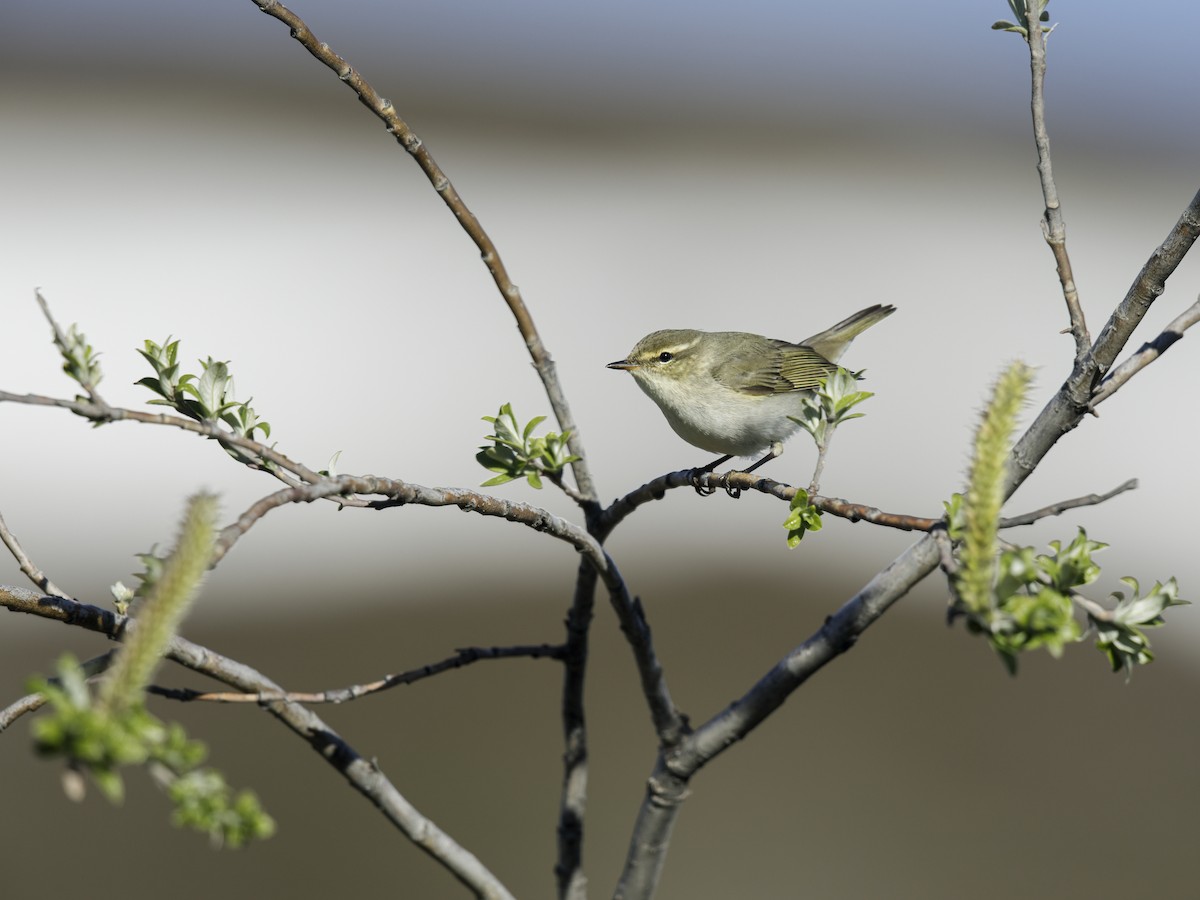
{"type": "Point", "coordinates": [398, 128]}
{"type": "Point", "coordinates": [102, 413]}
{"type": "Point", "coordinates": [620, 508]}
{"type": "Point", "coordinates": [463, 657]}
{"type": "Point", "coordinates": [364, 776]}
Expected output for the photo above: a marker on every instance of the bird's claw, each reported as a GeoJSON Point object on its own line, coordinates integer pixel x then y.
{"type": "Point", "coordinates": [707, 490]}
{"type": "Point", "coordinates": [696, 478]}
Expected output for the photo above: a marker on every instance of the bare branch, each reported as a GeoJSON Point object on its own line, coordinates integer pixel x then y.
{"type": "Point", "coordinates": [1053, 227]}
{"type": "Point", "coordinates": [620, 508]}
{"type": "Point", "coordinates": [363, 775]}
{"type": "Point", "coordinates": [1062, 506]}
{"type": "Point", "coordinates": [304, 493]}
{"type": "Point", "coordinates": [463, 657]}
{"type": "Point", "coordinates": [31, 571]}
{"type": "Point", "coordinates": [416, 148]}
{"type": "Point", "coordinates": [102, 413]}
{"type": "Point", "coordinates": [1148, 353]}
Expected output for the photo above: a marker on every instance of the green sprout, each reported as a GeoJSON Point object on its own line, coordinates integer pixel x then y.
{"type": "Point", "coordinates": [516, 453]}
{"type": "Point", "coordinates": [803, 517]}
{"type": "Point", "coordinates": [824, 409]}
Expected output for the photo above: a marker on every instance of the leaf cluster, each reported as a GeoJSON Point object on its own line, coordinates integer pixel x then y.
{"type": "Point", "coordinates": [515, 452]}
{"type": "Point", "coordinates": [803, 517]}
{"type": "Point", "coordinates": [1035, 600]}
{"type": "Point", "coordinates": [830, 405]}
{"type": "Point", "coordinates": [97, 740]}
{"type": "Point", "coordinates": [1119, 634]}
{"type": "Point", "coordinates": [207, 397]}
{"type": "Point", "coordinates": [80, 361]}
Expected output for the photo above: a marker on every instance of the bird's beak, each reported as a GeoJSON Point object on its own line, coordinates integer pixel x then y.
{"type": "Point", "coordinates": [623, 364]}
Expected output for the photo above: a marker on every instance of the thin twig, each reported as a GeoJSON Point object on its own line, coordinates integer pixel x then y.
{"type": "Point", "coordinates": [31, 571]}
{"type": "Point", "coordinates": [822, 452]}
{"type": "Point", "coordinates": [1053, 227]}
{"type": "Point", "coordinates": [303, 493]}
{"type": "Point", "coordinates": [102, 413]}
{"type": "Point", "coordinates": [364, 776]}
{"type": "Point", "coordinates": [1148, 353]}
{"type": "Point", "coordinates": [1062, 506]}
{"type": "Point", "coordinates": [463, 657]}
{"type": "Point", "coordinates": [416, 148]}
{"type": "Point", "coordinates": [60, 340]}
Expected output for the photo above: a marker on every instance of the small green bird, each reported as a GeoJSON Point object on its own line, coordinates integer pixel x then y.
{"type": "Point", "coordinates": [731, 392]}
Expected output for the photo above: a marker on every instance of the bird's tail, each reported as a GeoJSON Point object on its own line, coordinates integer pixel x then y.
{"type": "Point", "coordinates": [832, 342]}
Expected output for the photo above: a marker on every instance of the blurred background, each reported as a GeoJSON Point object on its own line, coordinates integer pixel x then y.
{"type": "Point", "coordinates": [191, 171]}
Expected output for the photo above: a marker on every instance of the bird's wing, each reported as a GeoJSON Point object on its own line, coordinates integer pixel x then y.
{"type": "Point", "coordinates": [791, 367]}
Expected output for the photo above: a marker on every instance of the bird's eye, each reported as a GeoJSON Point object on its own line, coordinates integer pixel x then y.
{"type": "Point", "coordinates": [665, 357]}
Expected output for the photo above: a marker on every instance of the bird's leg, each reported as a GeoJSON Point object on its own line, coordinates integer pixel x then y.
{"type": "Point", "coordinates": [776, 450]}
{"type": "Point", "coordinates": [698, 473]}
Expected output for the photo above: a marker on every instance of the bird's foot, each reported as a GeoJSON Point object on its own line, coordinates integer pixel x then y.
{"type": "Point", "coordinates": [697, 479]}
{"type": "Point", "coordinates": [714, 481]}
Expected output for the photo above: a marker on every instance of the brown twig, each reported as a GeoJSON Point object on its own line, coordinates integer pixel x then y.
{"type": "Point", "coordinates": [620, 508]}
{"type": "Point", "coordinates": [400, 130]}
{"type": "Point", "coordinates": [463, 657]}
{"type": "Point", "coordinates": [1053, 227]}
{"type": "Point", "coordinates": [1148, 353]}
{"type": "Point", "coordinates": [1062, 506]}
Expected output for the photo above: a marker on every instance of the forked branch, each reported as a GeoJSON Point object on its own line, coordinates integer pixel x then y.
{"type": "Point", "coordinates": [399, 129]}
